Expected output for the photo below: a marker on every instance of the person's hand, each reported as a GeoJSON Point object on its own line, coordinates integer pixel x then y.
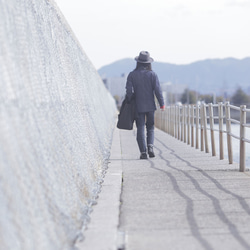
{"type": "Point", "coordinates": [162, 108]}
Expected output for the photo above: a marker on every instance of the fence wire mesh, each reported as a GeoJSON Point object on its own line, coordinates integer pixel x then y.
{"type": "Point", "coordinates": [56, 123]}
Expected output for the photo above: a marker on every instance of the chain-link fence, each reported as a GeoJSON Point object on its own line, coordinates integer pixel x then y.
{"type": "Point", "coordinates": [56, 123]}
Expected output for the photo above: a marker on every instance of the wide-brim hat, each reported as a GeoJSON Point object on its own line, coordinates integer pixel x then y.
{"type": "Point", "coordinates": [144, 57]}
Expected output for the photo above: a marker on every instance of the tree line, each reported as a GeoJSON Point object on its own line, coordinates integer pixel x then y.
{"type": "Point", "coordinates": [239, 97]}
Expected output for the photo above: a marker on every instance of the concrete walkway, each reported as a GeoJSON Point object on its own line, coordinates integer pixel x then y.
{"type": "Point", "coordinates": [181, 199]}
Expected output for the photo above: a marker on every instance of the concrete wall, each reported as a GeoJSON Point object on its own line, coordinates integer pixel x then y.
{"type": "Point", "coordinates": [56, 123]}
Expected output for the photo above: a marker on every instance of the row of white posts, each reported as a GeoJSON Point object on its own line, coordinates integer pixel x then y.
{"type": "Point", "coordinates": [188, 123]}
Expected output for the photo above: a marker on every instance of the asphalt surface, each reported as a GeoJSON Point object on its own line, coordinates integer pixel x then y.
{"type": "Point", "coordinates": [181, 199]}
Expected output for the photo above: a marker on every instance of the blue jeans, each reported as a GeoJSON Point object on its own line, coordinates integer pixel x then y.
{"type": "Point", "coordinates": [142, 120]}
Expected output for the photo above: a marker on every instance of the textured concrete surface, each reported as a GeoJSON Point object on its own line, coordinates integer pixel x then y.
{"type": "Point", "coordinates": [101, 232]}
{"type": "Point", "coordinates": [181, 199]}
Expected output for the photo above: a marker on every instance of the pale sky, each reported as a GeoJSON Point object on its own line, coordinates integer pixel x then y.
{"type": "Point", "coordinates": [173, 31]}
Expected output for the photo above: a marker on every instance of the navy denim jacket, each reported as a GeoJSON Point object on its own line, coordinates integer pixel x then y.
{"type": "Point", "coordinates": [144, 84]}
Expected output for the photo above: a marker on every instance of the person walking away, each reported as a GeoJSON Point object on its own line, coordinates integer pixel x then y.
{"type": "Point", "coordinates": [144, 84]}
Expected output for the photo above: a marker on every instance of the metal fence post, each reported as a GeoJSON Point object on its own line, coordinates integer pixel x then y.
{"type": "Point", "coordinates": [204, 111]}
{"type": "Point", "coordinates": [188, 124]}
{"type": "Point", "coordinates": [168, 125]}
{"type": "Point", "coordinates": [178, 121]}
{"type": "Point", "coordinates": [197, 126]}
{"type": "Point", "coordinates": [202, 127]}
{"type": "Point", "coordinates": [164, 120]}
{"type": "Point", "coordinates": [229, 137]}
{"type": "Point", "coordinates": [184, 124]}
{"type": "Point", "coordinates": [211, 121]}
{"type": "Point", "coordinates": [169, 121]}
{"type": "Point", "coordinates": [242, 136]}
{"type": "Point", "coordinates": [166, 116]}
{"type": "Point", "coordinates": [220, 109]}
{"type": "Point", "coordinates": [192, 125]}
{"type": "Point", "coordinates": [172, 119]}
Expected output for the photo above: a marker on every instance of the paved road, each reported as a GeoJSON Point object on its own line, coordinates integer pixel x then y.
{"type": "Point", "coordinates": [181, 199]}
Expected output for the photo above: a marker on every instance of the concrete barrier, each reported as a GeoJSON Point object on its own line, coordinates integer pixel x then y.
{"type": "Point", "coordinates": [56, 124]}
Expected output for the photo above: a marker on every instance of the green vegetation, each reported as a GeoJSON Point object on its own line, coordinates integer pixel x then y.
{"type": "Point", "coordinates": [238, 98]}
{"type": "Point", "coordinates": [192, 97]}
{"type": "Point", "coordinates": [188, 97]}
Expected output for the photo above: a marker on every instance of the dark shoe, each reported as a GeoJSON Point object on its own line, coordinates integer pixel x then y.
{"type": "Point", "coordinates": [143, 156]}
{"type": "Point", "coordinates": [151, 152]}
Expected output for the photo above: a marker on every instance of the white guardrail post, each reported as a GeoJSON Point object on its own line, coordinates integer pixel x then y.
{"type": "Point", "coordinates": [175, 122]}
{"type": "Point", "coordinates": [188, 123]}
{"type": "Point", "coordinates": [182, 122]}
{"type": "Point", "coordinates": [242, 136]}
{"type": "Point", "coordinates": [220, 109]}
{"type": "Point", "coordinates": [205, 127]}
{"type": "Point", "coordinates": [202, 127]}
{"type": "Point", "coordinates": [229, 137]}
{"type": "Point", "coordinates": [192, 125]}
{"type": "Point", "coordinates": [197, 126]}
{"type": "Point", "coordinates": [185, 123]}
{"type": "Point", "coordinates": [168, 120]}
{"type": "Point", "coordinates": [178, 121]}
{"type": "Point", "coordinates": [211, 121]}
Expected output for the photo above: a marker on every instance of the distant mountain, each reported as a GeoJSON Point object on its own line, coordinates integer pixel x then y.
{"type": "Point", "coordinates": [208, 76]}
